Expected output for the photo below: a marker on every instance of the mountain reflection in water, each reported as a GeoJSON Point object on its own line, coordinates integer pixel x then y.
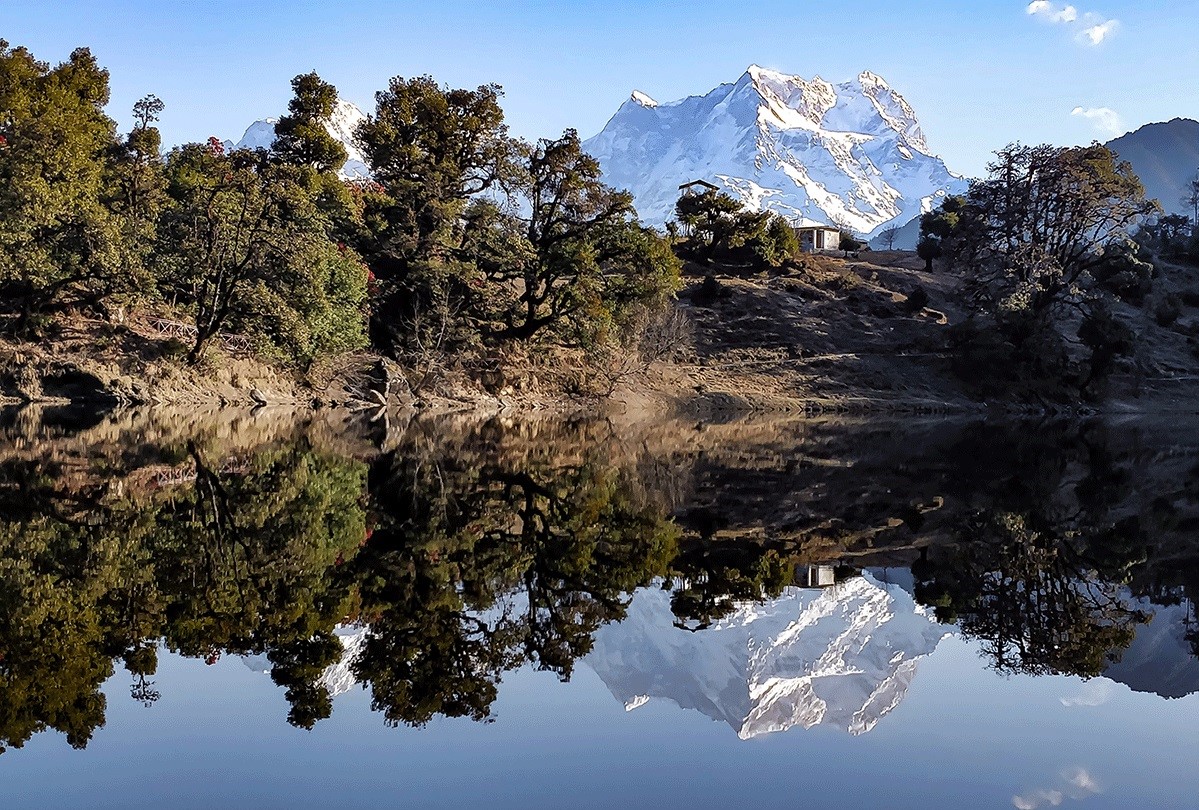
{"type": "Point", "coordinates": [682, 561]}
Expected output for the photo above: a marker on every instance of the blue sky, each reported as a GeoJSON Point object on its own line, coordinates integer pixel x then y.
{"type": "Point", "coordinates": [980, 73]}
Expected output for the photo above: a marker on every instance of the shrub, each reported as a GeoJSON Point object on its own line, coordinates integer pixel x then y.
{"type": "Point", "coordinates": [708, 292]}
{"type": "Point", "coordinates": [917, 300]}
{"type": "Point", "coordinates": [1167, 310]}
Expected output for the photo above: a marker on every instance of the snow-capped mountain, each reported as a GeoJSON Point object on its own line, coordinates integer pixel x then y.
{"type": "Point", "coordinates": [346, 116]}
{"type": "Point", "coordinates": [810, 150]}
{"type": "Point", "coordinates": [842, 656]}
{"type": "Point", "coordinates": [337, 678]}
{"type": "Point", "coordinates": [1159, 660]}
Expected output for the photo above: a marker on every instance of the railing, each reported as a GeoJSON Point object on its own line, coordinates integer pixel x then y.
{"type": "Point", "coordinates": [183, 475]}
{"type": "Point", "coordinates": [187, 331]}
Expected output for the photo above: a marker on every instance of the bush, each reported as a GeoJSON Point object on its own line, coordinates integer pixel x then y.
{"type": "Point", "coordinates": [917, 300]}
{"type": "Point", "coordinates": [1167, 310]}
{"type": "Point", "coordinates": [174, 348]}
{"type": "Point", "coordinates": [708, 292]}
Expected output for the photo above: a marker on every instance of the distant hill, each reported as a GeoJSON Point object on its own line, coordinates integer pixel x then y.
{"type": "Point", "coordinates": [1165, 156]}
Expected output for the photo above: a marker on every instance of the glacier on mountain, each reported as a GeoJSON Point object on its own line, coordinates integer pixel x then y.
{"type": "Point", "coordinates": [842, 656]}
{"type": "Point", "coordinates": [346, 117]}
{"type": "Point", "coordinates": [852, 153]}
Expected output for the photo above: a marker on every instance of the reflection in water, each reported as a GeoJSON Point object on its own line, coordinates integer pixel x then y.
{"type": "Point", "coordinates": [841, 656]}
{"type": "Point", "coordinates": [712, 565]}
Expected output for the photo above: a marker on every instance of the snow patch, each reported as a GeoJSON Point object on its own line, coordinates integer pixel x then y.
{"type": "Point", "coordinates": [643, 99]}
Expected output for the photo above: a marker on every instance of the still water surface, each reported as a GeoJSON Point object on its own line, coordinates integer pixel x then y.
{"type": "Point", "coordinates": [259, 610]}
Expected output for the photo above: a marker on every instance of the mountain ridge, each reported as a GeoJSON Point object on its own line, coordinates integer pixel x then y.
{"type": "Point", "coordinates": [1165, 155]}
{"type": "Point", "coordinates": [852, 152]}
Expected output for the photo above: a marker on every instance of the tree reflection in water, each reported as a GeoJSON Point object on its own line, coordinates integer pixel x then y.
{"type": "Point", "coordinates": [492, 547]}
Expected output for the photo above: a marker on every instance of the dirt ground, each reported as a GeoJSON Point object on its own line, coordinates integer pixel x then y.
{"type": "Point", "coordinates": [838, 334]}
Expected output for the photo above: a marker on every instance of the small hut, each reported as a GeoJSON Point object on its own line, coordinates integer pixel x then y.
{"type": "Point", "coordinates": [814, 237]}
{"type": "Point", "coordinates": [698, 187]}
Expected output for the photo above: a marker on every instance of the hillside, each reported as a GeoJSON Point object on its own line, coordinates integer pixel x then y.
{"type": "Point", "coordinates": [836, 333]}
{"type": "Point", "coordinates": [1165, 156]}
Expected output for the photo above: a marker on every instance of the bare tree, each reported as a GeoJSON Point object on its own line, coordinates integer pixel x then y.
{"type": "Point", "coordinates": [1190, 198]}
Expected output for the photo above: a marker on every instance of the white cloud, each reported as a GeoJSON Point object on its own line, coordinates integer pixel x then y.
{"type": "Point", "coordinates": [1043, 8]}
{"type": "Point", "coordinates": [1093, 693]}
{"type": "Point", "coordinates": [1089, 28]}
{"type": "Point", "coordinates": [1100, 31]}
{"type": "Point", "coordinates": [1073, 783]}
{"type": "Point", "coordinates": [1037, 798]}
{"type": "Point", "coordinates": [1082, 782]}
{"type": "Point", "coordinates": [1105, 119]}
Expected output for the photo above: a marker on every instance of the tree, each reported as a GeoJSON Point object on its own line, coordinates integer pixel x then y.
{"type": "Point", "coordinates": [929, 249]}
{"type": "Point", "coordinates": [59, 242]}
{"type": "Point", "coordinates": [776, 243]}
{"type": "Point", "coordinates": [301, 138]}
{"type": "Point", "coordinates": [1190, 198]}
{"type": "Point", "coordinates": [431, 150]}
{"type": "Point", "coordinates": [850, 239]}
{"type": "Point", "coordinates": [138, 188]}
{"type": "Point", "coordinates": [936, 226]}
{"type": "Point", "coordinates": [1036, 241]}
{"type": "Point", "coordinates": [1030, 236]}
{"type": "Point", "coordinates": [576, 263]}
{"type": "Point", "coordinates": [888, 237]}
{"type": "Point", "coordinates": [711, 217]}
{"type": "Point", "coordinates": [244, 245]}
{"type": "Point", "coordinates": [719, 226]}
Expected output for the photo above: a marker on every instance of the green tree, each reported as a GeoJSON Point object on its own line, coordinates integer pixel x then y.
{"type": "Point", "coordinates": [244, 245]}
{"type": "Point", "coordinates": [138, 188]}
{"type": "Point", "coordinates": [777, 243]}
{"type": "Point", "coordinates": [718, 223]}
{"type": "Point", "coordinates": [1035, 243]}
{"type": "Point", "coordinates": [301, 138]}
{"type": "Point", "coordinates": [576, 264]}
{"type": "Point", "coordinates": [431, 150]}
{"type": "Point", "coordinates": [1030, 236]}
{"type": "Point", "coordinates": [936, 226]}
{"type": "Point", "coordinates": [59, 241]}
{"type": "Point", "coordinates": [303, 142]}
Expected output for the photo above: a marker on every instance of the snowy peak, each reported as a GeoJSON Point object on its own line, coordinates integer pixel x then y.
{"type": "Point", "coordinates": [783, 96]}
{"type": "Point", "coordinates": [341, 125]}
{"type": "Point", "coordinates": [808, 149]}
{"type": "Point", "coordinates": [643, 99]}
{"type": "Point", "coordinates": [841, 657]}
{"type": "Point", "coordinates": [259, 135]}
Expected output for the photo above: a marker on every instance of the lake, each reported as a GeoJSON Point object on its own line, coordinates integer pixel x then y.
{"type": "Point", "coordinates": [271, 609]}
